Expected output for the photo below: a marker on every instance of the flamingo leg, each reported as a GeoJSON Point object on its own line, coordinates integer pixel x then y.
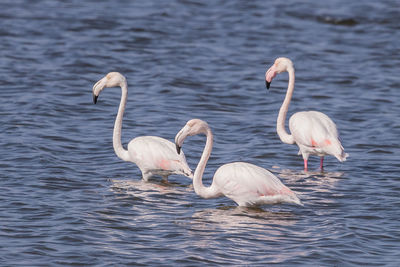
{"type": "Point", "coordinates": [321, 165]}
{"type": "Point", "coordinates": [305, 165]}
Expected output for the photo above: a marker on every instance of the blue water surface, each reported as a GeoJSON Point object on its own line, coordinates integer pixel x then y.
{"type": "Point", "coordinates": [65, 197]}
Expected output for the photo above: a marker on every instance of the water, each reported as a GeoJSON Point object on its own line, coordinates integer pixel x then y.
{"type": "Point", "coordinates": [66, 199]}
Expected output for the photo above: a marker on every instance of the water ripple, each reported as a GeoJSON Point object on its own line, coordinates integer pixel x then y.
{"type": "Point", "coordinates": [66, 199]}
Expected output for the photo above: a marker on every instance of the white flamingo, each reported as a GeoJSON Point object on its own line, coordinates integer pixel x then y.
{"type": "Point", "coordinates": [314, 132]}
{"type": "Point", "coordinates": [153, 155]}
{"type": "Point", "coordinates": [244, 183]}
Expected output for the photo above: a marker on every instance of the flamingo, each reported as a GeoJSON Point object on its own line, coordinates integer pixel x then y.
{"type": "Point", "coordinates": [244, 183]}
{"type": "Point", "coordinates": [314, 132]}
{"type": "Point", "coordinates": [153, 155]}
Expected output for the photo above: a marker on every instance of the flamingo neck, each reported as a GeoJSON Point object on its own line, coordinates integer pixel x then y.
{"type": "Point", "coordinates": [199, 188]}
{"type": "Point", "coordinates": [117, 144]}
{"type": "Point", "coordinates": [280, 122]}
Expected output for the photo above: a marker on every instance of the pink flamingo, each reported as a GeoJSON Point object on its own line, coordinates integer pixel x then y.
{"type": "Point", "coordinates": [244, 183]}
{"type": "Point", "coordinates": [153, 155]}
{"type": "Point", "coordinates": [314, 132]}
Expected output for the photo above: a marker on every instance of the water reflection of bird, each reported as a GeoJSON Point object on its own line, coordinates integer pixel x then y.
{"type": "Point", "coordinates": [230, 218]}
{"type": "Point", "coordinates": [314, 132]}
{"type": "Point", "coordinates": [244, 183]}
{"type": "Point", "coordinates": [153, 155]}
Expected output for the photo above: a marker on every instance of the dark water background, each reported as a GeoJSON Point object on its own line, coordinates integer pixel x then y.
{"type": "Point", "coordinates": [66, 199]}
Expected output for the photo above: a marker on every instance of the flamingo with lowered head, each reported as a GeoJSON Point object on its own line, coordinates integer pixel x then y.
{"type": "Point", "coordinates": [314, 132]}
{"type": "Point", "coordinates": [244, 183]}
{"type": "Point", "coordinates": [153, 155]}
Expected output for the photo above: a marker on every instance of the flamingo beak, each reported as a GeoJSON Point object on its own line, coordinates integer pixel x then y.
{"type": "Point", "coordinates": [269, 75]}
{"type": "Point", "coordinates": [178, 149]}
{"type": "Point", "coordinates": [267, 84]}
{"type": "Point", "coordinates": [95, 98]}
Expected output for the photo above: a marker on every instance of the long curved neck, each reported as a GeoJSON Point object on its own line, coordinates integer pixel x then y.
{"type": "Point", "coordinates": [117, 144]}
{"type": "Point", "coordinates": [199, 188]}
{"type": "Point", "coordinates": [280, 122]}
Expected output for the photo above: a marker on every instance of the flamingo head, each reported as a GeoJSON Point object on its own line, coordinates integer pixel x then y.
{"type": "Point", "coordinates": [192, 127]}
{"type": "Point", "coordinates": [281, 64]}
{"type": "Point", "coordinates": [112, 79]}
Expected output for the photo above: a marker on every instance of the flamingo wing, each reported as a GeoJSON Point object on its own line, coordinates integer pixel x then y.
{"type": "Point", "coordinates": [312, 129]}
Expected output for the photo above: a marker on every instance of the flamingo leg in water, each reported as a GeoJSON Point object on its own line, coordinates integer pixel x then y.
{"type": "Point", "coordinates": [165, 178]}
{"type": "Point", "coordinates": [321, 165]}
{"type": "Point", "coordinates": [305, 165]}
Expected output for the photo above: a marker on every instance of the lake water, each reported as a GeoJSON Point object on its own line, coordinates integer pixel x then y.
{"type": "Point", "coordinates": [65, 197]}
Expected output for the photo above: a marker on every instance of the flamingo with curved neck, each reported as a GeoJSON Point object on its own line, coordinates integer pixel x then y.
{"type": "Point", "coordinates": [314, 132]}
{"type": "Point", "coordinates": [244, 183]}
{"type": "Point", "coordinates": [153, 155]}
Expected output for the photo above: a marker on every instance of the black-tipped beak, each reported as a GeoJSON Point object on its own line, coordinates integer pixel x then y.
{"type": "Point", "coordinates": [267, 84]}
{"type": "Point", "coordinates": [178, 149]}
{"type": "Point", "coordinates": [95, 98]}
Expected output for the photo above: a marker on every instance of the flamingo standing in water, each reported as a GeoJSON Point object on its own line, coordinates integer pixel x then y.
{"type": "Point", "coordinates": [153, 155]}
{"type": "Point", "coordinates": [314, 132]}
{"type": "Point", "coordinates": [244, 183]}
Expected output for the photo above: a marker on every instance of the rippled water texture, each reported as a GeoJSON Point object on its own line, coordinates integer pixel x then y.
{"type": "Point", "coordinates": [66, 199]}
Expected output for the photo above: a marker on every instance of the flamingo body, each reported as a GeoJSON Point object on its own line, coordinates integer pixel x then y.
{"type": "Point", "coordinates": [153, 155]}
{"type": "Point", "coordinates": [157, 156]}
{"type": "Point", "coordinates": [250, 185]}
{"type": "Point", "coordinates": [244, 183]}
{"type": "Point", "coordinates": [314, 132]}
